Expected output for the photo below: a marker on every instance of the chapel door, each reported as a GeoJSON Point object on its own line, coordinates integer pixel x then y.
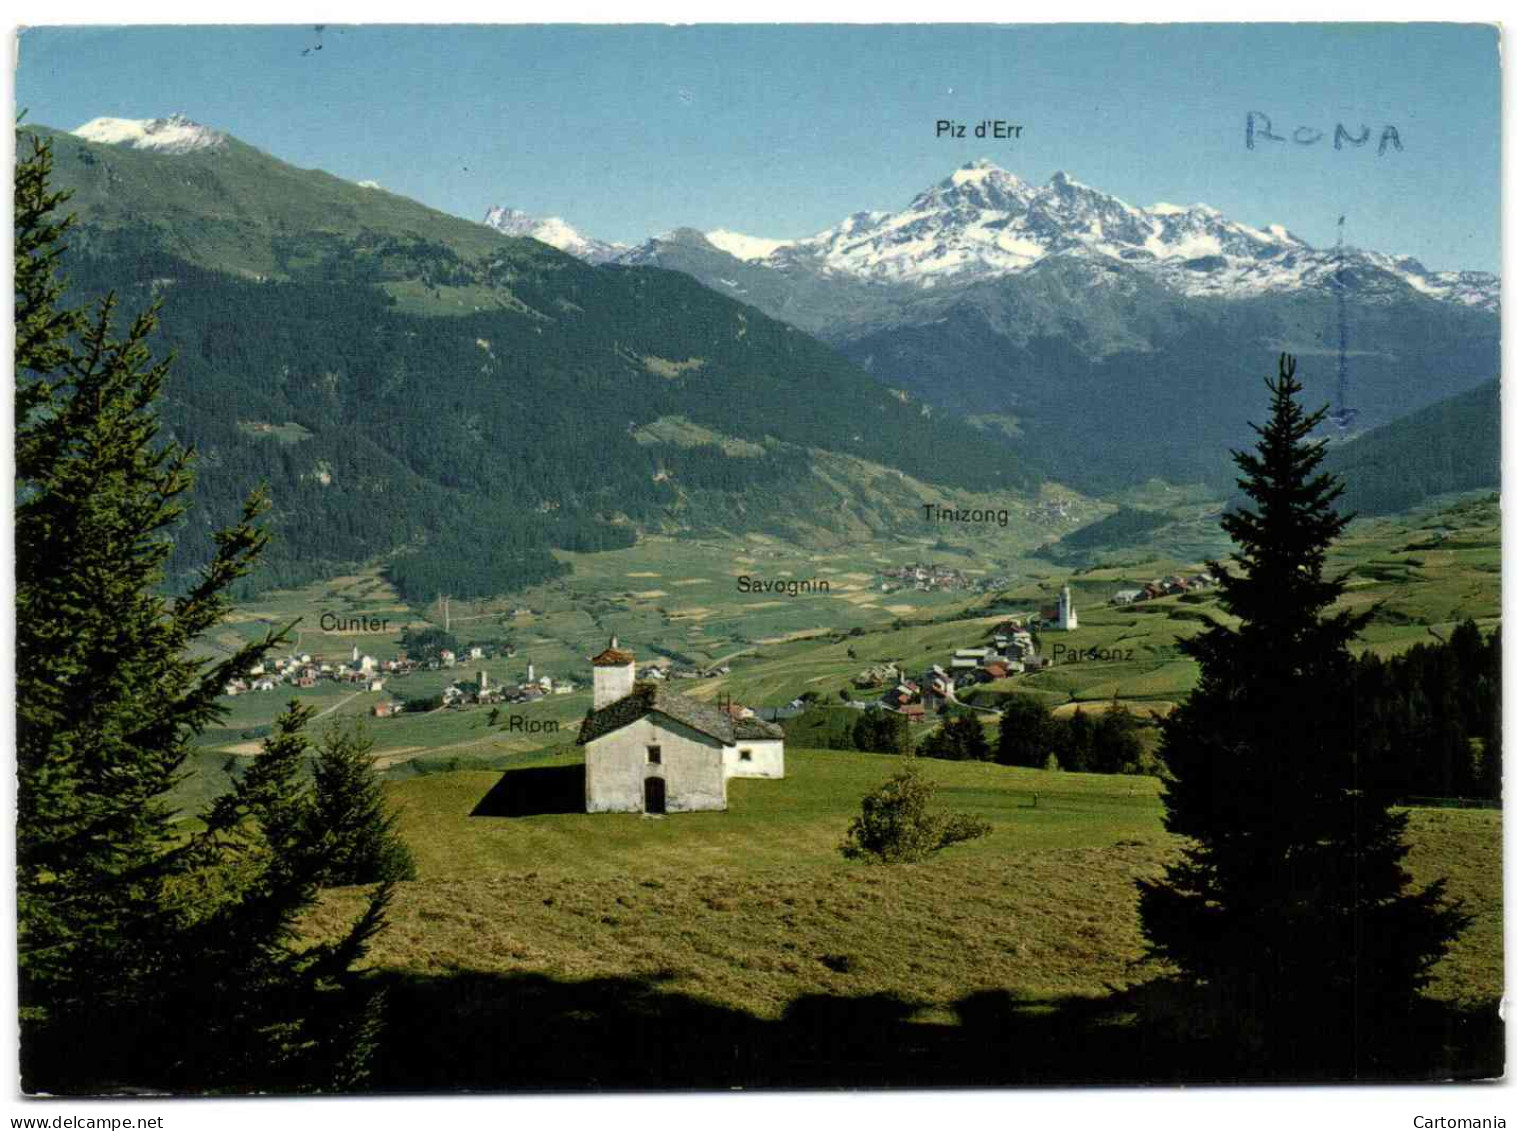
{"type": "Point", "coordinates": [653, 795]}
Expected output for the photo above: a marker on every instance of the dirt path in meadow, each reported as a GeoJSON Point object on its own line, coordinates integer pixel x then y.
{"type": "Point", "coordinates": [250, 749]}
{"type": "Point", "coordinates": [336, 705]}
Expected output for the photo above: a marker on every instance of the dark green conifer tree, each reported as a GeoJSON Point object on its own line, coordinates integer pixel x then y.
{"type": "Point", "coordinates": [1023, 738]}
{"type": "Point", "coordinates": [1075, 742]}
{"type": "Point", "coordinates": [1489, 770]}
{"type": "Point", "coordinates": [120, 919]}
{"type": "Point", "coordinates": [882, 732]}
{"type": "Point", "coordinates": [948, 742]}
{"type": "Point", "coordinates": [352, 827]}
{"type": "Point", "coordinates": [1290, 907]}
{"type": "Point", "coordinates": [252, 1005]}
{"type": "Point", "coordinates": [967, 739]}
{"type": "Point", "coordinates": [1115, 747]}
{"type": "Point", "coordinates": [108, 696]}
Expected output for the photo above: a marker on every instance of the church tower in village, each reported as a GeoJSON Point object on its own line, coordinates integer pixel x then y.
{"type": "Point", "coordinates": [1068, 621]}
{"type": "Point", "coordinates": [615, 672]}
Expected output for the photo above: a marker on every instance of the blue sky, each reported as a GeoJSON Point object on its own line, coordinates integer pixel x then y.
{"type": "Point", "coordinates": [783, 130]}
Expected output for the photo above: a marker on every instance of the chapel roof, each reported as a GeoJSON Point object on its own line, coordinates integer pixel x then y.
{"type": "Point", "coordinates": [755, 728]}
{"type": "Point", "coordinates": [613, 657]}
{"type": "Point", "coordinates": [647, 698]}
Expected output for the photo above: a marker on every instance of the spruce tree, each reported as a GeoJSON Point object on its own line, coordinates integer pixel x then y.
{"type": "Point", "coordinates": [881, 732]}
{"type": "Point", "coordinates": [1025, 731]}
{"type": "Point", "coordinates": [1488, 774]}
{"type": "Point", "coordinates": [130, 935]}
{"type": "Point", "coordinates": [959, 739]}
{"type": "Point", "coordinates": [1075, 741]}
{"type": "Point", "coordinates": [967, 739]}
{"type": "Point", "coordinates": [254, 1006]}
{"type": "Point", "coordinates": [1289, 906]}
{"type": "Point", "coordinates": [352, 827]}
{"type": "Point", "coordinates": [108, 695]}
{"type": "Point", "coordinates": [1115, 745]}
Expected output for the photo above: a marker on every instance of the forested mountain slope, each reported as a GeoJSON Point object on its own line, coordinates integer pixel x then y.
{"type": "Point", "coordinates": [1454, 445]}
{"type": "Point", "coordinates": [419, 386]}
{"type": "Point", "coordinates": [1128, 343]}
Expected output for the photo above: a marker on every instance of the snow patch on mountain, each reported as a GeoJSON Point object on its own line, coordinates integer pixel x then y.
{"type": "Point", "coordinates": [553, 231]}
{"type": "Point", "coordinates": [174, 134]}
{"type": "Point", "coordinates": [746, 248]}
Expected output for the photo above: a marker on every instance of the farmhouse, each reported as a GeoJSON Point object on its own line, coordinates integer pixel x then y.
{"type": "Point", "coordinates": [648, 750]}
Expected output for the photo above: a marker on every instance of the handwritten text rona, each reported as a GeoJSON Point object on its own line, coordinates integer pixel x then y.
{"type": "Point", "coordinates": [1259, 128]}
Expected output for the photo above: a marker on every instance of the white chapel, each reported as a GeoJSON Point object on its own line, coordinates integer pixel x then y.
{"type": "Point", "coordinates": [648, 750]}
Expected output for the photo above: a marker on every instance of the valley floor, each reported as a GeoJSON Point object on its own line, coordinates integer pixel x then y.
{"type": "Point", "coordinates": [1423, 572]}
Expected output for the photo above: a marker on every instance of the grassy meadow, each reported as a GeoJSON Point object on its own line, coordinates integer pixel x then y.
{"type": "Point", "coordinates": [753, 907]}
{"type": "Point", "coordinates": [530, 913]}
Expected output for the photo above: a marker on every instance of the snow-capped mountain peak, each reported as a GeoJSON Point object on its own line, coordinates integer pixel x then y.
{"type": "Point", "coordinates": [174, 134]}
{"type": "Point", "coordinates": [553, 231]}
{"type": "Point", "coordinates": [984, 222]}
{"type": "Point", "coordinates": [979, 185]}
{"type": "Point", "coordinates": [979, 172]}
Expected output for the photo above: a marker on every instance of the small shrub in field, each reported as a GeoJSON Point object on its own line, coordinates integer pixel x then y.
{"type": "Point", "coordinates": [896, 825]}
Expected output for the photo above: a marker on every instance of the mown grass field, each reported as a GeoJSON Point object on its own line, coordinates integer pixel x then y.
{"type": "Point", "coordinates": [754, 908]}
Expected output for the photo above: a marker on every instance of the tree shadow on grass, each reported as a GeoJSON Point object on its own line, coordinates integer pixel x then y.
{"type": "Point", "coordinates": [531, 791]}
{"type": "Point", "coordinates": [529, 1032]}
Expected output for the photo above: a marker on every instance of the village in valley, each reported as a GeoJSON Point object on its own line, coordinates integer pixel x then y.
{"type": "Point", "coordinates": [304, 671]}
{"type": "Point", "coordinates": [1012, 651]}
{"type": "Point", "coordinates": [426, 670]}
{"type": "Point", "coordinates": [362, 672]}
{"type": "Point", "coordinates": [926, 577]}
